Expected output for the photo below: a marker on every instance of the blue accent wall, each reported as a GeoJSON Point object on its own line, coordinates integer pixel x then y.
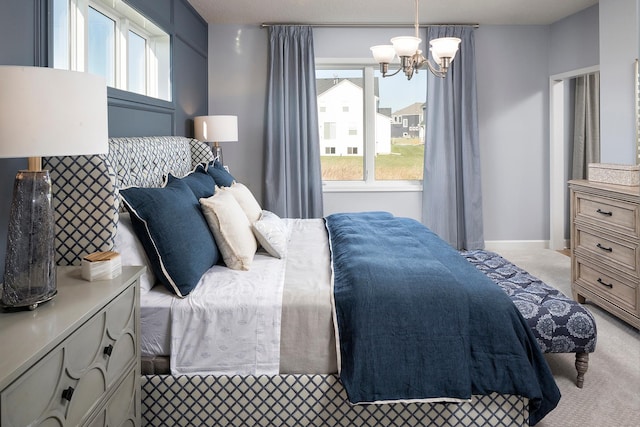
{"type": "Point", "coordinates": [24, 41]}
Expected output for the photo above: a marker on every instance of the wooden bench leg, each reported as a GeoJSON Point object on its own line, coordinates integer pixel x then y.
{"type": "Point", "coordinates": [582, 364]}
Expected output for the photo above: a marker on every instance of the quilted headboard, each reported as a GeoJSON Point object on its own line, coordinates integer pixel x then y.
{"type": "Point", "coordinates": [85, 188]}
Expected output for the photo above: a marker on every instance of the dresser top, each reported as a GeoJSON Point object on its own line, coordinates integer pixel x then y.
{"type": "Point", "coordinates": [27, 336]}
{"type": "Point", "coordinates": [630, 192]}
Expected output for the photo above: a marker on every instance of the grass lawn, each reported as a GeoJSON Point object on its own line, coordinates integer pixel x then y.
{"type": "Point", "coordinates": [404, 163]}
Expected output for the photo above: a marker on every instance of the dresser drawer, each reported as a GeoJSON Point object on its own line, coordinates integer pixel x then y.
{"type": "Point", "coordinates": [621, 292]}
{"type": "Point", "coordinates": [122, 407]}
{"type": "Point", "coordinates": [617, 253]}
{"type": "Point", "coordinates": [65, 386]}
{"type": "Point", "coordinates": [614, 215]}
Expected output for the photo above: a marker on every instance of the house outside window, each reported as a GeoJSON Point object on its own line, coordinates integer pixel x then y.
{"type": "Point", "coordinates": [379, 138]}
{"type": "Point", "coordinates": [114, 41]}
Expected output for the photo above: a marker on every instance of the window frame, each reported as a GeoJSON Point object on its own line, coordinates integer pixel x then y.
{"type": "Point", "coordinates": [78, 56]}
{"type": "Point", "coordinates": [368, 183]}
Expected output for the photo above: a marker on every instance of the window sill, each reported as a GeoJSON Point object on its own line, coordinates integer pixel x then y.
{"type": "Point", "coordinates": [367, 187]}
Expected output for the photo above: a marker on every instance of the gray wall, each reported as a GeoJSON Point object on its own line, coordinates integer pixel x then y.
{"type": "Point", "coordinates": [513, 68]}
{"type": "Point", "coordinates": [24, 41]}
{"type": "Point", "coordinates": [618, 51]}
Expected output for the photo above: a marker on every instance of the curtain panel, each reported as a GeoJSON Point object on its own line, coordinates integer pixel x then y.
{"type": "Point", "coordinates": [452, 195]}
{"type": "Point", "coordinates": [293, 179]}
{"type": "Point", "coordinates": [586, 130]}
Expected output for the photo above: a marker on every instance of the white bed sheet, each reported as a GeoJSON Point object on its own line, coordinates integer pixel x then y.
{"type": "Point", "coordinates": [307, 342]}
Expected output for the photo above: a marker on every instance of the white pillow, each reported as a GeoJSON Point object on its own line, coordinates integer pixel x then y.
{"type": "Point", "coordinates": [131, 251]}
{"type": "Point", "coordinates": [271, 233]}
{"type": "Point", "coordinates": [245, 198]}
{"type": "Point", "coordinates": [231, 229]}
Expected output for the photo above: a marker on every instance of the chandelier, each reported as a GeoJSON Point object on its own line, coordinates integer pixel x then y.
{"type": "Point", "coordinates": [443, 50]}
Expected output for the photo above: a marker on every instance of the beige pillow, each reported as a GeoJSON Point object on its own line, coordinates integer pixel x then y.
{"type": "Point", "coordinates": [231, 229]}
{"type": "Point", "coordinates": [245, 198]}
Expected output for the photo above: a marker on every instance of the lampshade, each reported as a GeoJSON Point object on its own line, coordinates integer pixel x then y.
{"type": "Point", "coordinates": [48, 112]}
{"type": "Point", "coordinates": [216, 128]}
{"type": "Point", "coordinates": [383, 53]}
{"type": "Point", "coordinates": [43, 112]}
{"type": "Point", "coordinates": [444, 47]}
{"type": "Point", "coordinates": [405, 45]}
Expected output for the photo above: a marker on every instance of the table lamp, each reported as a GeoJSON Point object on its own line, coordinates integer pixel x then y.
{"type": "Point", "coordinates": [43, 112]}
{"type": "Point", "coordinates": [215, 129]}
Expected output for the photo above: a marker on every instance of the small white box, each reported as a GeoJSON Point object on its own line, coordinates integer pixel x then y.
{"type": "Point", "coordinates": [610, 173]}
{"type": "Point", "coordinates": [101, 266]}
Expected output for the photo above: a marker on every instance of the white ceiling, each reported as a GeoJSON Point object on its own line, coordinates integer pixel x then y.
{"type": "Point", "coordinates": [488, 12]}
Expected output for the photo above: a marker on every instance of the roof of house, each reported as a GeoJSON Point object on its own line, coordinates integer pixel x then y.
{"type": "Point", "coordinates": [323, 85]}
{"type": "Point", "coordinates": [412, 110]}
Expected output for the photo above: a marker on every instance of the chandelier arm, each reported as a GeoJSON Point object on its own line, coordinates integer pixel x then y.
{"type": "Point", "coordinates": [436, 71]}
{"type": "Point", "coordinates": [384, 74]}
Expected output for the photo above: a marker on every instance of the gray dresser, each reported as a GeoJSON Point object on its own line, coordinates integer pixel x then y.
{"type": "Point", "coordinates": [74, 360]}
{"type": "Point", "coordinates": [605, 238]}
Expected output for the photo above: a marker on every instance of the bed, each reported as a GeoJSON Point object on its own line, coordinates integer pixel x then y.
{"type": "Point", "coordinates": [292, 377]}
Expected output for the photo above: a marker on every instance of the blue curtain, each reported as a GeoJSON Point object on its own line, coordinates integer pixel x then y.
{"type": "Point", "coordinates": [452, 196]}
{"type": "Point", "coordinates": [293, 180]}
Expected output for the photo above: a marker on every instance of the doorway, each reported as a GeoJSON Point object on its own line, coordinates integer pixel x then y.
{"type": "Point", "coordinates": [561, 130]}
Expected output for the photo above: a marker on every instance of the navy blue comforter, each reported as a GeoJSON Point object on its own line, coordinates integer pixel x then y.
{"type": "Point", "coordinates": [417, 321]}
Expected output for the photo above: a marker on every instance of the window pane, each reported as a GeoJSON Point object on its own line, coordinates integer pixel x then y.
{"type": "Point", "coordinates": [400, 127]}
{"type": "Point", "coordinates": [101, 51]}
{"type": "Point", "coordinates": [341, 119]}
{"type": "Point", "coordinates": [61, 34]}
{"type": "Point", "coordinates": [137, 63]}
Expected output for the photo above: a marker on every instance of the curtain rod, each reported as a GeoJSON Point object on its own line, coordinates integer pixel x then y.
{"type": "Point", "coordinates": [364, 25]}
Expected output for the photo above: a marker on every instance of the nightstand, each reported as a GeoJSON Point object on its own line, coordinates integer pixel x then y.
{"type": "Point", "coordinates": [76, 359]}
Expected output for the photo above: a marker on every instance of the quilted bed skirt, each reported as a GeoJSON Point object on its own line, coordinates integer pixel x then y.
{"type": "Point", "coordinates": [308, 400]}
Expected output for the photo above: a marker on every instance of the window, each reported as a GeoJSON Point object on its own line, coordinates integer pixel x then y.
{"type": "Point", "coordinates": [369, 136]}
{"type": "Point", "coordinates": [329, 130]}
{"type": "Point", "coordinates": [101, 51]}
{"type": "Point", "coordinates": [114, 41]}
{"type": "Point", "coordinates": [137, 63]}
{"type": "Point", "coordinates": [330, 150]}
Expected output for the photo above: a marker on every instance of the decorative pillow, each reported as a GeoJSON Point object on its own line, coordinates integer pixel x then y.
{"type": "Point", "coordinates": [231, 229]}
{"type": "Point", "coordinates": [174, 233]}
{"type": "Point", "coordinates": [219, 174]}
{"type": "Point", "coordinates": [131, 251]}
{"type": "Point", "coordinates": [271, 233]}
{"type": "Point", "coordinates": [199, 181]}
{"type": "Point", "coordinates": [245, 198]}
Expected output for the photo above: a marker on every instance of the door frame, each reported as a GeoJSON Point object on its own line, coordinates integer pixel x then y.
{"type": "Point", "coordinates": [558, 125]}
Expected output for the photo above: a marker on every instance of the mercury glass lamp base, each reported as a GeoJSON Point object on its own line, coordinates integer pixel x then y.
{"type": "Point", "coordinates": [216, 150]}
{"type": "Point", "coordinates": [30, 269]}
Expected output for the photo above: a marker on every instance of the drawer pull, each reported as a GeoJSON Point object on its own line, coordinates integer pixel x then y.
{"type": "Point", "coordinates": [600, 211]}
{"type": "Point", "coordinates": [604, 248]}
{"type": "Point", "coordinates": [608, 285]}
{"type": "Point", "coordinates": [108, 350]}
{"type": "Point", "coordinates": [68, 394]}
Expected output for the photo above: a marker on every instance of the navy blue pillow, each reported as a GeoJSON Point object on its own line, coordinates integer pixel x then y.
{"type": "Point", "coordinates": [173, 232]}
{"type": "Point", "coordinates": [220, 174]}
{"type": "Point", "coordinates": [200, 182]}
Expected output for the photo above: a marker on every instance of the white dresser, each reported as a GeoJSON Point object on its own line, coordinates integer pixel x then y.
{"type": "Point", "coordinates": [76, 359]}
{"type": "Point", "coordinates": [605, 242]}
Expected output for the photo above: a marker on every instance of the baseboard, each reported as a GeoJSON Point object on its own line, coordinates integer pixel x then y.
{"type": "Point", "coordinates": [498, 245]}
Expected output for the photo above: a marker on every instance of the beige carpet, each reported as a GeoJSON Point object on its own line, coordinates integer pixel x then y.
{"type": "Point", "coordinates": [611, 393]}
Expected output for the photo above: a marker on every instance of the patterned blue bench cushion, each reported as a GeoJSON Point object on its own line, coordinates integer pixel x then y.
{"type": "Point", "coordinates": [560, 324]}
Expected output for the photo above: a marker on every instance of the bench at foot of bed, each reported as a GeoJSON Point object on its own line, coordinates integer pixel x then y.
{"type": "Point", "coordinates": [560, 324]}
